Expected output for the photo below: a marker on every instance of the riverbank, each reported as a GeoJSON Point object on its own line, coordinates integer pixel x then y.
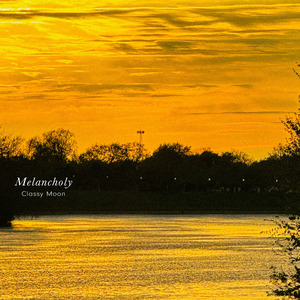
{"type": "Point", "coordinates": [141, 202]}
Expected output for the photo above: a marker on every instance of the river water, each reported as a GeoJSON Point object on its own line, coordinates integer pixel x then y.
{"type": "Point", "coordinates": [137, 257]}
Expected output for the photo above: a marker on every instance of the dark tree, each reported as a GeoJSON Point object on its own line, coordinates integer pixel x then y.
{"type": "Point", "coordinates": [10, 146]}
{"type": "Point", "coordinates": [114, 153]}
{"type": "Point", "coordinates": [55, 144]}
{"type": "Point", "coordinates": [162, 170]}
{"type": "Point", "coordinates": [287, 280]}
{"type": "Point", "coordinates": [11, 155]}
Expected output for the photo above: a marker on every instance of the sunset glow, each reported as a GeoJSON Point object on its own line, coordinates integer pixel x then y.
{"type": "Point", "coordinates": [215, 74]}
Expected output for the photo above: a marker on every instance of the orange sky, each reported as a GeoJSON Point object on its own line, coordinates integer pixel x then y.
{"type": "Point", "coordinates": [213, 75]}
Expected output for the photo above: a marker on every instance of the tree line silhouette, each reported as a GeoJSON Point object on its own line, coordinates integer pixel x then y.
{"type": "Point", "coordinates": [124, 177]}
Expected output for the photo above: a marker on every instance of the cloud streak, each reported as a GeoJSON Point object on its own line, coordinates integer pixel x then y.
{"type": "Point", "coordinates": [94, 88]}
{"type": "Point", "coordinates": [242, 113]}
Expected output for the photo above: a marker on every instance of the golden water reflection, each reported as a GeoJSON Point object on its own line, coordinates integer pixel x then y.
{"type": "Point", "coordinates": [137, 257]}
